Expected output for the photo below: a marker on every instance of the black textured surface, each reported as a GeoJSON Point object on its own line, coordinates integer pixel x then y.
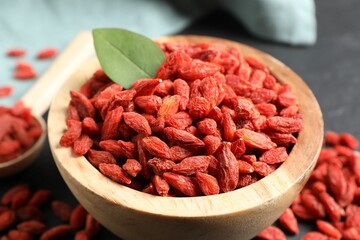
{"type": "Point", "coordinates": [331, 68]}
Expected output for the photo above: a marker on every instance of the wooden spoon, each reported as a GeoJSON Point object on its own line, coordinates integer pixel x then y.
{"type": "Point", "coordinates": [38, 98]}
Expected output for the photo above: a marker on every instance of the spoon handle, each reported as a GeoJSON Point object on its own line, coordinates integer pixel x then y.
{"type": "Point", "coordinates": [39, 97]}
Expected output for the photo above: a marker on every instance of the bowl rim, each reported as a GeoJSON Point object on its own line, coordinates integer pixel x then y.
{"type": "Point", "coordinates": [292, 173]}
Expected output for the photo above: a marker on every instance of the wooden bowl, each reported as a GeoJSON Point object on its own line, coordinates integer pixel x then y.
{"type": "Point", "coordinates": [239, 214]}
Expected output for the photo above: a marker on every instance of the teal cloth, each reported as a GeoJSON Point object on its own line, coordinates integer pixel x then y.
{"type": "Point", "coordinates": [35, 24]}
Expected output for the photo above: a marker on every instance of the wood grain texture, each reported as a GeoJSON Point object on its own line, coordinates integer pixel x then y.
{"type": "Point", "coordinates": [239, 214]}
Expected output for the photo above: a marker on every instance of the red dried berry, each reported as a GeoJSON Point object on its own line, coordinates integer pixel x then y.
{"type": "Point", "coordinates": [207, 183]}
{"type": "Point", "coordinates": [57, 232]}
{"type": "Point", "coordinates": [46, 53]}
{"type": "Point", "coordinates": [271, 233]}
{"type": "Point", "coordinates": [92, 227]}
{"type": "Point", "coordinates": [62, 210]}
{"type": "Point", "coordinates": [78, 217]}
{"type": "Point", "coordinates": [24, 74]}
{"type": "Point", "coordinates": [184, 184]}
{"type": "Point", "coordinates": [228, 169]}
{"type": "Point", "coordinates": [5, 91]}
{"type": "Point", "coordinates": [7, 218]}
{"type": "Point", "coordinates": [31, 227]}
{"type": "Point", "coordinates": [156, 147]}
{"type": "Point", "coordinates": [114, 172]}
{"type": "Point", "coordinates": [190, 165]}
{"type": "Point", "coordinates": [16, 52]}
{"type": "Point", "coordinates": [288, 221]}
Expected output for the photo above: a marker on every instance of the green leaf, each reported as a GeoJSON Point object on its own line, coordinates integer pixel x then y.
{"type": "Point", "coordinates": [126, 56]}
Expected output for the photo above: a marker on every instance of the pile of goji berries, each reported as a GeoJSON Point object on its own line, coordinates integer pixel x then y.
{"type": "Point", "coordinates": [22, 217]}
{"type": "Point", "coordinates": [211, 121]}
{"type": "Point", "coordinates": [331, 197]}
{"type": "Point", "coordinates": [19, 130]}
{"type": "Point", "coordinates": [24, 70]}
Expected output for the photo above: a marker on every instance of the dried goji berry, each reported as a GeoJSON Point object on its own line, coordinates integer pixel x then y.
{"type": "Point", "coordinates": [18, 235]}
{"type": "Point", "coordinates": [32, 227]}
{"type": "Point", "coordinates": [111, 123]}
{"type": "Point", "coordinates": [262, 168]}
{"type": "Point", "coordinates": [24, 74]}
{"type": "Point", "coordinates": [271, 233]}
{"type": "Point", "coordinates": [179, 120]}
{"type": "Point", "coordinates": [78, 217]}
{"type": "Point", "coordinates": [46, 53]}
{"type": "Point", "coordinates": [149, 104]}
{"type": "Point", "coordinates": [303, 213]}
{"type": "Point", "coordinates": [62, 210]}
{"type": "Point", "coordinates": [229, 127]}
{"type": "Point", "coordinates": [284, 124]}
{"type": "Point", "coordinates": [82, 104]}
{"type": "Point", "coordinates": [332, 138]}
{"type": "Point", "coordinates": [274, 155]}
{"type": "Point", "coordinates": [245, 167]}
{"type": "Point", "coordinates": [57, 232]}
{"type": "Point", "coordinates": [164, 88]}
{"type": "Point", "coordinates": [228, 169]}
{"type": "Point", "coordinates": [289, 221]}
{"type": "Point", "coordinates": [182, 89]}
{"type": "Point", "coordinates": [81, 235]}
{"type": "Point", "coordinates": [29, 212]}
{"type": "Point", "coordinates": [16, 52]}
{"type": "Point", "coordinates": [207, 183]}
{"type": "Point", "coordinates": [184, 184]}
{"type": "Point", "coordinates": [177, 153]}
{"type": "Point", "coordinates": [159, 166]}
{"type": "Point", "coordinates": [132, 167]}
{"type": "Point", "coordinates": [348, 140]}
{"type": "Point", "coordinates": [71, 134]}
{"type": "Point", "coordinates": [314, 236]}
{"type": "Point", "coordinates": [92, 227]}
{"type": "Point", "coordinates": [96, 157]}
{"type": "Point", "coordinates": [190, 165]}
{"type": "Point", "coordinates": [212, 143]}
{"type": "Point", "coordinates": [255, 139]}
{"type": "Point", "coordinates": [137, 122]}
{"type": "Point", "coordinates": [351, 233]}
{"type": "Point", "coordinates": [82, 144]}
{"type": "Point", "coordinates": [145, 87]}
{"type": "Point", "coordinates": [332, 208]}
{"type": "Point", "coordinates": [9, 194]}
{"type": "Point", "coordinates": [207, 126]}
{"type": "Point", "coordinates": [161, 186]}
{"type": "Point", "coordinates": [7, 218]}
{"type": "Point", "coordinates": [328, 229]}
{"type": "Point", "coordinates": [20, 198]}
{"type": "Point", "coordinates": [169, 106]}
{"type": "Point", "coordinates": [128, 149]}
{"type": "Point", "coordinates": [114, 172]}
{"type": "Point", "coordinates": [5, 91]}
{"type": "Point", "coordinates": [156, 147]}
{"type": "Point", "coordinates": [311, 202]}
{"type": "Point", "coordinates": [182, 137]}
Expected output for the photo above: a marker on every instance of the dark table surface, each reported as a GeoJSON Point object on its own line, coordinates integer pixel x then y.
{"type": "Point", "coordinates": [331, 68]}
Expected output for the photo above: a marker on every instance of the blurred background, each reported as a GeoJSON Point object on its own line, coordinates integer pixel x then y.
{"type": "Point", "coordinates": [319, 40]}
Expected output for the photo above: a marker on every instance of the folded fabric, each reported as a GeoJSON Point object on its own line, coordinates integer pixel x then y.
{"type": "Point", "coordinates": [286, 21]}
{"type": "Point", "coordinates": [37, 24]}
